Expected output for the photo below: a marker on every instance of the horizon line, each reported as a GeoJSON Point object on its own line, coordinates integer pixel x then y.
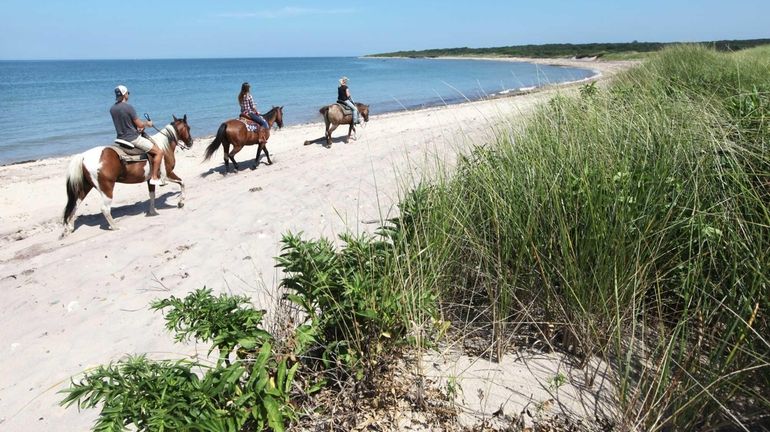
{"type": "Point", "coordinates": [176, 58]}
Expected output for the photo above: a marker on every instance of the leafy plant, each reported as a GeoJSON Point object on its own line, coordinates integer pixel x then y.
{"type": "Point", "coordinates": [556, 381]}
{"type": "Point", "coordinates": [353, 310]}
{"type": "Point", "coordinates": [226, 321]}
{"type": "Point", "coordinates": [589, 90]}
{"type": "Point", "coordinates": [247, 390]}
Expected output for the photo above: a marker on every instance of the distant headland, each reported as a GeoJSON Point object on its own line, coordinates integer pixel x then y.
{"type": "Point", "coordinates": [613, 51]}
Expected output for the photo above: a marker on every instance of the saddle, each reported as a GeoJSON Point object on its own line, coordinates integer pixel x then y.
{"type": "Point", "coordinates": [251, 125]}
{"type": "Point", "coordinates": [127, 152]}
{"type": "Point", "coordinates": [346, 110]}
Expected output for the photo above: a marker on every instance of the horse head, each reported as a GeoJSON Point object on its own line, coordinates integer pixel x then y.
{"type": "Point", "coordinates": [278, 116]}
{"type": "Point", "coordinates": [183, 131]}
{"type": "Point", "coordinates": [364, 110]}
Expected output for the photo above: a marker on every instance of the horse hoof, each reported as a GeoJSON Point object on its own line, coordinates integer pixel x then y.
{"type": "Point", "coordinates": [254, 167]}
{"type": "Point", "coordinates": [180, 205]}
{"type": "Point", "coordinates": [152, 213]}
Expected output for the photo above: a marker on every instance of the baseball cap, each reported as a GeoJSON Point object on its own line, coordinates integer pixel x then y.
{"type": "Point", "coordinates": [120, 91]}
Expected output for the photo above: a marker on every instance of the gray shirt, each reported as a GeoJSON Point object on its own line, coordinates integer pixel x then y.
{"type": "Point", "coordinates": [123, 116]}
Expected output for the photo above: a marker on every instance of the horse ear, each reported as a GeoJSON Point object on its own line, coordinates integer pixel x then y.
{"type": "Point", "coordinates": [185, 118]}
{"type": "Point", "coordinates": [175, 119]}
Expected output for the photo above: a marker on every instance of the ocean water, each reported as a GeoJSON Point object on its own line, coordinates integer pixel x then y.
{"type": "Point", "coordinates": [53, 108]}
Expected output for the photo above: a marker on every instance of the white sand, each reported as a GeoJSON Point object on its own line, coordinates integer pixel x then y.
{"type": "Point", "coordinates": [71, 304]}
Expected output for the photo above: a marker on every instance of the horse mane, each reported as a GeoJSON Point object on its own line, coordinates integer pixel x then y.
{"type": "Point", "coordinates": [161, 140]}
{"type": "Point", "coordinates": [271, 112]}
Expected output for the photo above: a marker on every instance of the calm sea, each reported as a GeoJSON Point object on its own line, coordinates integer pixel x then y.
{"type": "Point", "coordinates": [52, 108]}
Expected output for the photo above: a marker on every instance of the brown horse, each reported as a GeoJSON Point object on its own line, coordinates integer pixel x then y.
{"type": "Point", "coordinates": [235, 132]}
{"type": "Point", "coordinates": [100, 167]}
{"type": "Point", "coordinates": [334, 116]}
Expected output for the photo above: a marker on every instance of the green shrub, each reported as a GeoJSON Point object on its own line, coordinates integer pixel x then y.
{"type": "Point", "coordinates": [247, 390]}
{"type": "Point", "coordinates": [353, 310]}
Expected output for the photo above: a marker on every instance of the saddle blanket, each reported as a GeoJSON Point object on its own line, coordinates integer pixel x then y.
{"type": "Point", "coordinates": [129, 154]}
{"type": "Point", "coordinates": [250, 125]}
{"type": "Point", "coordinates": [345, 109]}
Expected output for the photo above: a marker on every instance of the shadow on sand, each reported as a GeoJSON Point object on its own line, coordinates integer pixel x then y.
{"type": "Point", "coordinates": [245, 165]}
{"type": "Point", "coordinates": [137, 208]}
{"type": "Point", "coordinates": [322, 140]}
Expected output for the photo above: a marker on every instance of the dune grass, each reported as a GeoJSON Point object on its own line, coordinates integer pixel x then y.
{"type": "Point", "coordinates": [633, 220]}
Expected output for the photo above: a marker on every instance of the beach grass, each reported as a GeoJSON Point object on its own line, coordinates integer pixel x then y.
{"type": "Point", "coordinates": [631, 223]}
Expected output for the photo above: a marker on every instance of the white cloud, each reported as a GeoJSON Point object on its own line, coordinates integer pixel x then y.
{"type": "Point", "coordinates": [287, 11]}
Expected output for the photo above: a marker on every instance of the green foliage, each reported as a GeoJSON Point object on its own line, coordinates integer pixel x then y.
{"type": "Point", "coordinates": [251, 393]}
{"type": "Point", "coordinates": [354, 310]}
{"type": "Point", "coordinates": [225, 321]}
{"type": "Point", "coordinates": [639, 217]}
{"type": "Point", "coordinates": [556, 381]}
{"type": "Point", "coordinates": [589, 90]}
{"type": "Point", "coordinates": [571, 50]}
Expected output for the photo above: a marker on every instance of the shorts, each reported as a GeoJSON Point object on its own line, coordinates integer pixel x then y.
{"type": "Point", "coordinates": [142, 143]}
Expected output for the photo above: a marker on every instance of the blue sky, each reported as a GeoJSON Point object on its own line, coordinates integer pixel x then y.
{"type": "Point", "coordinates": [106, 29]}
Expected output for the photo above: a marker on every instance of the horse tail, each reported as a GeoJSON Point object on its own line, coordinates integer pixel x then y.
{"type": "Point", "coordinates": [74, 185]}
{"type": "Point", "coordinates": [325, 114]}
{"type": "Point", "coordinates": [219, 139]}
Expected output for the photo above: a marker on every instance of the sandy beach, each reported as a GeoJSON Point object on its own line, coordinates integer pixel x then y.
{"type": "Point", "coordinates": [68, 305]}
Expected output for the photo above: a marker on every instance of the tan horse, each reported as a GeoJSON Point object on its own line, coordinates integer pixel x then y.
{"type": "Point", "coordinates": [235, 132]}
{"type": "Point", "coordinates": [334, 116]}
{"type": "Point", "coordinates": [100, 167]}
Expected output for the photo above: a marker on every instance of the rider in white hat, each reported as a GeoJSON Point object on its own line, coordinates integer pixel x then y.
{"type": "Point", "coordinates": [343, 97]}
{"type": "Point", "coordinates": [130, 127]}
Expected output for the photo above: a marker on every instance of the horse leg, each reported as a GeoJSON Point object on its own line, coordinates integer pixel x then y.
{"type": "Point", "coordinates": [350, 131]}
{"type": "Point", "coordinates": [106, 188]}
{"type": "Point", "coordinates": [329, 134]}
{"type": "Point", "coordinates": [226, 147]}
{"type": "Point", "coordinates": [264, 147]}
{"type": "Point", "coordinates": [172, 177]}
{"type": "Point", "coordinates": [69, 222]}
{"type": "Point", "coordinates": [151, 211]}
{"type": "Point", "coordinates": [256, 158]}
{"type": "Point", "coordinates": [236, 149]}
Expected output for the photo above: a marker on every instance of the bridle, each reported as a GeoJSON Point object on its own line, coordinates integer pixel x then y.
{"type": "Point", "coordinates": [169, 134]}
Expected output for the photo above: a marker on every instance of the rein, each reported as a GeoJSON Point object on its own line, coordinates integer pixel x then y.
{"type": "Point", "coordinates": [274, 114]}
{"type": "Point", "coordinates": [181, 144]}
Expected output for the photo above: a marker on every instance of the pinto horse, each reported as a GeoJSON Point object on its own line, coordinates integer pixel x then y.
{"type": "Point", "coordinates": [334, 116]}
{"type": "Point", "coordinates": [101, 167]}
{"type": "Point", "coordinates": [235, 132]}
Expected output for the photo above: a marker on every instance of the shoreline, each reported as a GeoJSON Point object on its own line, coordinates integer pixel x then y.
{"type": "Point", "coordinates": [72, 303]}
{"type": "Point", "coordinates": [595, 64]}
{"type": "Point", "coordinates": [598, 74]}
